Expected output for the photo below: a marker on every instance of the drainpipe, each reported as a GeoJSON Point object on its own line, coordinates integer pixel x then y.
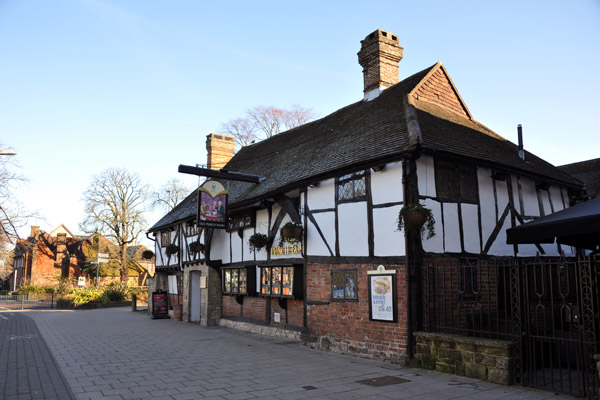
{"type": "Point", "coordinates": [409, 329]}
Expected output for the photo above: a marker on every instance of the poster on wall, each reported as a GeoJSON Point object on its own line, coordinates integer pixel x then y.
{"type": "Point", "coordinates": [382, 295]}
{"type": "Point", "coordinates": [212, 205]}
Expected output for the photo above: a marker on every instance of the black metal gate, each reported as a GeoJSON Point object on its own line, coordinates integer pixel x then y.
{"type": "Point", "coordinates": [547, 308]}
{"type": "Point", "coordinates": [558, 324]}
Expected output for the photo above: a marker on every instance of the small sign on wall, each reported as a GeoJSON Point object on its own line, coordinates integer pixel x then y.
{"type": "Point", "coordinates": [382, 295]}
{"type": "Point", "coordinates": [202, 282]}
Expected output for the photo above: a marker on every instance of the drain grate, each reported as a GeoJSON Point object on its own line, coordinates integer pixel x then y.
{"type": "Point", "coordinates": [383, 381]}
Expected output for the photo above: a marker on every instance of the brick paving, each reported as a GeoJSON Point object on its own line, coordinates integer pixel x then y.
{"type": "Point", "coordinates": [27, 368]}
{"type": "Point", "coordinates": [117, 354]}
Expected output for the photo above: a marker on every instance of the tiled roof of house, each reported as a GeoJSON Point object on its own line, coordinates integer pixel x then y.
{"type": "Point", "coordinates": [588, 172]}
{"type": "Point", "coordinates": [362, 134]}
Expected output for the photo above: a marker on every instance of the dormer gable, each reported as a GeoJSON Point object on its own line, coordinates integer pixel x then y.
{"type": "Point", "coordinates": [437, 88]}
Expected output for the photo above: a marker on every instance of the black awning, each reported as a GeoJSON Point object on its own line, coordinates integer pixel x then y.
{"type": "Point", "coordinates": [577, 226]}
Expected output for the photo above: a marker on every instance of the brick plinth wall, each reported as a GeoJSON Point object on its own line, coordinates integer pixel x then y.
{"type": "Point", "coordinates": [485, 359]}
{"type": "Point", "coordinates": [344, 326]}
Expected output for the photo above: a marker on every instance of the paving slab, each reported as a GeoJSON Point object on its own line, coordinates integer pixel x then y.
{"type": "Point", "coordinates": [118, 354]}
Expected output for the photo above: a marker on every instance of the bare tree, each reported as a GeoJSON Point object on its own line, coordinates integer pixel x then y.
{"type": "Point", "coordinates": [12, 214]}
{"type": "Point", "coordinates": [263, 122]}
{"type": "Point", "coordinates": [115, 203]}
{"type": "Point", "coordinates": [169, 195]}
{"type": "Point", "coordinates": [243, 129]}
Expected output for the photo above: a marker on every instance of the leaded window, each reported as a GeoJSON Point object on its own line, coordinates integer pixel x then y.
{"type": "Point", "coordinates": [165, 238]}
{"type": "Point", "coordinates": [277, 281]}
{"type": "Point", "coordinates": [352, 187]}
{"type": "Point", "coordinates": [235, 281]}
{"type": "Point", "coordinates": [454, 182]}
{"type": "Point", "coordinates": [344, 284]}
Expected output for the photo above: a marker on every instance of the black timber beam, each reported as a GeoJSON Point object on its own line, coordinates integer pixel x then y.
{"type": "Point", "coordinates": [220, 174]}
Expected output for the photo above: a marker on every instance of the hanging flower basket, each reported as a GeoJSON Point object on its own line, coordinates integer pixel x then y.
{"type": "Point", "coordinates": [257, 241]}
{"type": "Point", "coordinates": [147, 254]}
{"type": "Point", "coordinates": [172, 249]}
{"type": "Point", "coordinates": [196, 247]}
{"type": "Point", "coordinates": [416, 217]}
{"type": "Point", "coordinates": [291, 232]}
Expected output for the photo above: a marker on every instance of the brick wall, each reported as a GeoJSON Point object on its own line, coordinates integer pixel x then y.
{"type": "Point", "coordinates": [344, 326]}
{"type": "Point", "coordinates": [230, 307]}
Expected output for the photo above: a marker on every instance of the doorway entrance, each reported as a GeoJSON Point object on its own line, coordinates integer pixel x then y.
{"type": "Point", "coordinates": [195, 297]}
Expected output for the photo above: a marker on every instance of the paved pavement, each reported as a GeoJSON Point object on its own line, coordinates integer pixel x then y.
{"type": "Point", "coordinates": [117, 354]}
{"type": "Point", "coordinates": [27, 368]}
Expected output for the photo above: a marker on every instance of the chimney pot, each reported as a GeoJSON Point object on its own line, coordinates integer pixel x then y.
{"type": "Point", "coordinates": [379, 56]}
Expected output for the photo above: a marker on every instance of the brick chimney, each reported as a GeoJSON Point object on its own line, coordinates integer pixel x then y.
{"type": "Point", "coordinates": [61, 247]}
{"type": "Point", "coordinates": [379, 56]}
{"type": "Point", "coordinates": [34, 231]}
{"type": "Point", "coordinates": [220, 149]}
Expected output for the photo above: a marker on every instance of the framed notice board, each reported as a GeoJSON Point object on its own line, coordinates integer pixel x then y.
{"type": "Point", "coordinates": [383, 299]}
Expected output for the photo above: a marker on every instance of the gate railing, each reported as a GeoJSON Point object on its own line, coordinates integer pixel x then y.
{"type": "Point", "coordinates": [27, 301]}
{"type": "Point", "coordinates": [548, 309]}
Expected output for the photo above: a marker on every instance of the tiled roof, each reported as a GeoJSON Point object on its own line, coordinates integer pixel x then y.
{"type": "Point", "coordinates": [361, 134]}
{"type": "Point", "coordinates": [588, 172]}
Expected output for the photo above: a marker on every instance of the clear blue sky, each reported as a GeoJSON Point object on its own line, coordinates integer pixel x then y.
{"type": "Point", "coordinates": [86, 85]}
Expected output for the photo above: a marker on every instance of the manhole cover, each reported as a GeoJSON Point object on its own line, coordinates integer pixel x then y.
{"type": "Point", "coordinates": [383, 381]}
{"type": "Point", "coordinates": [309, 387]}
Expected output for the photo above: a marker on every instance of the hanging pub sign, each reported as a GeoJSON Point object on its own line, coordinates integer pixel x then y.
{"type": "Point", "coordinates": [382, 295]}
{"type": "Point", "coordinates": [212, 205]}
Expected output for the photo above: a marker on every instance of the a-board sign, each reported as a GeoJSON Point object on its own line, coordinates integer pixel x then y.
{"type": "Point", "coordinates": [160, 305]}
{"type": "Point", "coordinates": [212, 205]}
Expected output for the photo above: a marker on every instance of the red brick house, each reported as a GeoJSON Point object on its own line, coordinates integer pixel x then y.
{"type": "Point", "coordinates": [44, 258]}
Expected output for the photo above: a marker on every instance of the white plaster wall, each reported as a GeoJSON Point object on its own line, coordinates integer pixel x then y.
{"type": "Point", "coordinates": [499, 247]}
{"type": "Point", "coordinates": [246, 253]}
{"type": "Point", "coordinates": [185, 253]}
{"type": "Point", "coordinates": [388, 240]}
{"type": "Point", "coordinates": [386, 185]}
{"type": "Point", "coordinates": [487, 202]}
{"type": "Point", "coordinates": [451, 228]}
{"type": "Point", "coordinates": [219, 249]}
{"type": "Point", "coordinates": [565, 196]}
{"type": "Point", "coordinates": [545, 197]}
{"type": "Point", "coordinates": [236, 247]}
{"type": "Point", "coordinates": [530, 199]}
{"type": "Point", "coordinates": [262, 226]}
{"type": "Point", "coordinates": [315, 245]}
{"type": "Point", "coordinates": [436, 243]}
{"type": "Point", "coordinates": [323, 196]}
{"type": "Point", "coordinates": [426, 176]}
{"type": "Point", "coordinates": [556, 198]}
{"type": "Point", "coordinates": [352, 219]}
{"type": "Point", "coordinates": [470, 219]}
